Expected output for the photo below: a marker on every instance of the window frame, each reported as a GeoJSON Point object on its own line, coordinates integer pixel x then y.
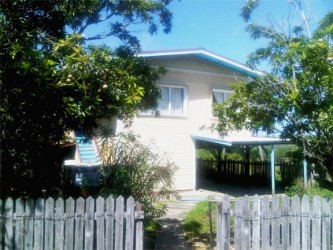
{"type": "Point", "coordinates": [225, 92]}
{"type": "Point", "coordinates": [168, 113]}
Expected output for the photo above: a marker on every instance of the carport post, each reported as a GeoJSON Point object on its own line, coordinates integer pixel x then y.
{"type": "Point", "coordinates": [305, 169]}
{"type": "Point", "coordinates": [273, 168]}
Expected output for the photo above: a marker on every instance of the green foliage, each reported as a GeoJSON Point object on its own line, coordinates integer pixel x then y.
{"type": "Point", "coordinates": [52, 82]}
{"type": "Point", "coordinates": [130, 168]}
{"type": "Point", "coordinates": [295, 100]}
{"type": "Point", "coordinates": [298, 189]}
{"type": "Point", "coordinates": [196, 223]}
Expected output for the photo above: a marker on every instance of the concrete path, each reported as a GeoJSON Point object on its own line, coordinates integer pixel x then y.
{"type": "Point", "coordinates": [171, 235]}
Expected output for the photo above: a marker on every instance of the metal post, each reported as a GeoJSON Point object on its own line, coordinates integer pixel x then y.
{"type": "Point", "coordinates": [273, 168]}
{"type": "Point", "coordinates": [305, 169]}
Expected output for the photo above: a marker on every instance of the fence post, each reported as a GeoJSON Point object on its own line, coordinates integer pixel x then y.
{"type": "Point", "coordinates": [139, 216]}
{"type": "Point", "coordinates": [219, 215]}
{"type": "Point", "coordinates": [225, 222]}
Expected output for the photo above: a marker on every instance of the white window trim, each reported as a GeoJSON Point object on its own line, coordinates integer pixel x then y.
{"type": "Point", "coordinates": [169, 114]}
{"type": "Point", "coordinates": [225, 91]}
{"type": "Point", "coordinates": [185, 100]}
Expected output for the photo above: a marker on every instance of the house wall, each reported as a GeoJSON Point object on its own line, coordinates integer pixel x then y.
{"type": "Point", "coordinates": [173, 134]}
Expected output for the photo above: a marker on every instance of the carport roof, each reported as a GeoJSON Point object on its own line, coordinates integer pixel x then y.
{"type": "Point", "coordinates": [241, 141]}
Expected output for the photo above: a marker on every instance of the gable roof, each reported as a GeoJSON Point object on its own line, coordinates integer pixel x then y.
{"type": "Point", "coordinates": [207, 55]}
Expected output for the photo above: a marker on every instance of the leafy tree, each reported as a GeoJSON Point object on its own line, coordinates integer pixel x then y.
{"type": "Point", "coordinates": [296, 98]}
{"type": "Point", "coordinates": [51, 81]}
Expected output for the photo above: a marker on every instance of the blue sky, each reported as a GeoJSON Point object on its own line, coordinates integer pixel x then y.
{"type": "Point", "coordinates": [217, 26]}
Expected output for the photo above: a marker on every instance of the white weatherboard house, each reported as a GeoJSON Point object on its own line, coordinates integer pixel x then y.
{"type": "Point", "coordinates": [195, 80]}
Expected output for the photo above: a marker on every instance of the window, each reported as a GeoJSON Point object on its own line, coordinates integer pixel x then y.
{"type": "Point", "coordinates": [173, 101]}
{"type": "Point", "coordinates": [219, 96]}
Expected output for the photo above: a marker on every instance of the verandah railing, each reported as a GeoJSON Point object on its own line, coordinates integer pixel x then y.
{"type": "Point", "coordinates": [233, 170]}
{"type": "Point", "coordinates": [71, 224]}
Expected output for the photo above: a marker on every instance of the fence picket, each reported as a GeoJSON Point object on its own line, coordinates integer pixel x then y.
{"type": "Point", "coordinates": [89, 224]}
{"type": "Point", "coordinates": [100, 224]}
{"type": "Point", "coordinates": [119, 223]}
{"type": "Point", "coordinates": [59, 224]}
{"type": "Point", "coordinates": [2, 225]}
{"type": "Point", "coordinates": [246, 227]}
{"type": "Point", "coordinates": [79, 224]}
{"type": "Point", "coordinates": [276, 221]}
{"type": "Point", "coordinates": [49, 223]}
{"type": "Point", "coordinates": [39, 224]}
{"type": "Point", "coordinates": [109, 223]}
{"type": "Point", "coordinates": [69, 224]}
{"type": "Point", "coordinates": [256, 223]}
{"type": "Point", "coordinates": [139, 215]}
{"type": "Point", "coordinates": [19, 224]}
{"type": "Point", "coordinates": [219, 224]}
{"type": "Point", "coordinates": [9, 234]}
{"type": "Point", "coordinates": [265, 222]}
{"type": "Point", "coordinates": [238, 224]}
{"type": "Point", "coordinates": [285, 222]}
{"type": "Point", "coordinates": [306, 233]}
{"type": "Point", "coordinates": [226, 222]}
{"type": "Point", "coordinates": [129, 223]}
{"type": "Point", "coordinates": [29, 224]}
{"type": "Point", "coordinates": [295, 223]}
{"type": "Point", "coordinates": [326, 224]}
{"type": "Point", "coordinates": [316, 223]}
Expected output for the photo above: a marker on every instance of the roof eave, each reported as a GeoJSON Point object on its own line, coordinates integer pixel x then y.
{"type": "Point", "coordinates": [207, 55]}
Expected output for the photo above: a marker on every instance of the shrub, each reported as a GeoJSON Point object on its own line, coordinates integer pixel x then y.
{"type": "Point", "coordinates": [131, 168]}
{"type": "Point", "coordinates": [298, 189]}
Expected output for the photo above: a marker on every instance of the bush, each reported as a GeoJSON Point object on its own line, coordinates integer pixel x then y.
{"type": "Point", "coordinates": [298, 189]}
{"type": "Point", "coordinates": [130, 168]}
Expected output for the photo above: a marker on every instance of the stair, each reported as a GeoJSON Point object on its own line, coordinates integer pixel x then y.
{"type": "Point", "coordinates": [88, 154]}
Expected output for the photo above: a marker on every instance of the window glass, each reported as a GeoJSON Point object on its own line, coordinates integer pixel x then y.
{"type": "Point", "coordinates": [172, 101]}
{"type": "Point", "coordinates": [177, 101]}
{"type": "Point", "coordinates": [219, 97]}
{"type": "Point", "coordinates": [163, 106]}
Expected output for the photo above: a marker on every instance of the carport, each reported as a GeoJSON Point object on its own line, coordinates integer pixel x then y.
{"type": "Point", "coordinates": [246, 143]}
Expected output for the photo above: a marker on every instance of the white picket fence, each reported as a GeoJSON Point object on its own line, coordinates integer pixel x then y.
{"type": "Point", "coordinates": [279, 222]}
{"type": "Point", "coordinates": [102, 224]}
